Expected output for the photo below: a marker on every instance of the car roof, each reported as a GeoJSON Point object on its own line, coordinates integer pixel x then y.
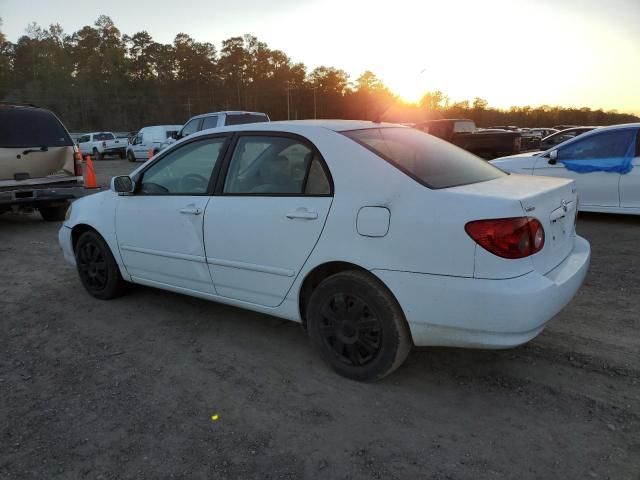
{"type": "Point", "coordinates": [595, 131]}
{"type": "Point", "coordinates": [228, 112]}
{"type": "Point", "coordinates": [301, 125]}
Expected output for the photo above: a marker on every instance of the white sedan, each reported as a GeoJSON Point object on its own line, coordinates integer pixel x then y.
{"type": "Point", "coordinates": [375, 236]}
{"type": "Point", "coordinates": [610, 180]}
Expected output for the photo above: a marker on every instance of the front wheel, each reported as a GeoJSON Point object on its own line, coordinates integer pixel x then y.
{"type": "Point", "coordinates": [131, 157]}
{"type": "Point", "coordinates": [98, 270]}
{"type": "Point", "coordinates": [357, 326]}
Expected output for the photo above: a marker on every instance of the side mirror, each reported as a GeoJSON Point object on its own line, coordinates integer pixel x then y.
{"type": "Point", "coordinates": [123, 185]}
{"type": "Point", "coordinates": [553, 157]}
{"type": "Point", "coordinates": [175, 135]}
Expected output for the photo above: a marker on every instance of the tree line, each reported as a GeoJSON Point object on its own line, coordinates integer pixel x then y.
{"type": "Point", "coordinates": [98, 78]}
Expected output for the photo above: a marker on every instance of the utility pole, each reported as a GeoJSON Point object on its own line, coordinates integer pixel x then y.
{"type": "Point", "coordinates": [315, 88]}
{"type": "Point", "coordinates": [288, 108]}
{"type": "Point", "coordinates": [188, 105]}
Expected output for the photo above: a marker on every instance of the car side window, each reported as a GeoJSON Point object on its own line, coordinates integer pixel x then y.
{"type": "Point", "coordinates": [275, 166]}
{"type": "Point", "coordinates": [190, 127]}
{"type": "Point", "coordinates": [613, 144]}
{"type": "Point", "coordinates": [184, 171]}
{"type": "Point", "coordinates": [210, 122]}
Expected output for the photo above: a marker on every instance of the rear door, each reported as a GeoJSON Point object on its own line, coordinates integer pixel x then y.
{"type": "Point", "coordinates": [595, 189]}
{"type": "Point", "coordinates": [272, 206]}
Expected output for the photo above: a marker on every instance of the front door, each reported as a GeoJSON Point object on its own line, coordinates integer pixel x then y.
{"type": "Point", "coordinates": [596, 188]}
{"type": "Point", "coordinates": [268, 217]}
{"type": "Point", "coordinates": [159, 227]}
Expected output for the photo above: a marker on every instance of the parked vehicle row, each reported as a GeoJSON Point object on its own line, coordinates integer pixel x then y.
{"type": "Point", "coordinates": [393, 237]}
{"type": "Point", "coordinates": [463, 133]}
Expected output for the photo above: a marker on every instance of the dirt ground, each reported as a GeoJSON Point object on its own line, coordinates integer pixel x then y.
{"type": "Point", "coordinates": [127, 388]}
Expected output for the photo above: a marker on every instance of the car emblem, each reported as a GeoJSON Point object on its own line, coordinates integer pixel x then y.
{"type": "Point", "coordinates": [565, 205]}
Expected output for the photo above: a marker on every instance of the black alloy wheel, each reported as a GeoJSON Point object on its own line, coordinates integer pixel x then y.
{"type": "Point", "coordinates": [357, 326]}
{"type": "Point", "coordinates": [98, 270]}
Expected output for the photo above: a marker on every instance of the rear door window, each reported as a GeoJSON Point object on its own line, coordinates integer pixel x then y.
{"type": "Point", "coordinates": [263, 165]}
{"type": "Point", "coordinates": [210, 122]}
{"type": "Point", "coordinates": [31, 127]}
{"type": "Point", "coordinates": [425, 158]}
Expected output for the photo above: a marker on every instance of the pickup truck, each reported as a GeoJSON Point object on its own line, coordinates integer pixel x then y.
{"type": "Point", "coordinates": [101, 144]}
{"type": "Point", "coordinates": [464, 134]}
{"type": "Point", "coordinates": [40, 167]}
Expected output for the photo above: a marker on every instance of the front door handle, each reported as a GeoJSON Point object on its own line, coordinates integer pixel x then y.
{"type": "Point", "coordinates": [302, 213]}
{"type": "Point", "coordinates": [191, 211]}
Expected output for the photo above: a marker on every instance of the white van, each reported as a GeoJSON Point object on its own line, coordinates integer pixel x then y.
{"type": "Point", "coordinates": [150, 137]}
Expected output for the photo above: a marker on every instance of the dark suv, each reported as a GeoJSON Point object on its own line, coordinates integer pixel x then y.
{"type": "Point", "coordinates": [40, 167]}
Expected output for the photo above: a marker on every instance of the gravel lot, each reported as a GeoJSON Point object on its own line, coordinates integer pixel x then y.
{"type": "Point", "coordinates": [127, 388]}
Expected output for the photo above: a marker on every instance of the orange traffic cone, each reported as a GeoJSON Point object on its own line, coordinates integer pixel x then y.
{"type": "Point", "coordinates": [90, 174]}
{"type": "Point", "coordinates": [150, 152]}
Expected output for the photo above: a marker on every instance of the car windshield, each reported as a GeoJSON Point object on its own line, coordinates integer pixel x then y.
{"type": "Point", "coordinates": [427, 159]}
{"type": "Point", "coordinates": [31, 127]}
{"type": "Point", "coordinates": [242, 118]}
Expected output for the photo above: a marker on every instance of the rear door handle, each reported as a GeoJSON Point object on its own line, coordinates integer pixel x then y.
{"type": "Point", "coordinates": [303, 214]}
{"type": "Point", "coordinates": [191, 211]}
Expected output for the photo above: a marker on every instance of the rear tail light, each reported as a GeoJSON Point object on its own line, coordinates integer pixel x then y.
{"type": "Point", "coordinates": [575, 218]}
{"type": "Point", "coordinates": [516, 237]}
{"type": "Point", "coordinates": [77, 161]}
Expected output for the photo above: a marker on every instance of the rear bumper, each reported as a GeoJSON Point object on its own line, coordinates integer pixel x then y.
{"type": "Point", "coordinates": [34, 197]}
{"type": "Point", "coordinates": [478, 313]}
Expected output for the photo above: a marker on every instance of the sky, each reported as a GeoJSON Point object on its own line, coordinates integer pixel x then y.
{"type": "Point", "coordinates": [510, 52]}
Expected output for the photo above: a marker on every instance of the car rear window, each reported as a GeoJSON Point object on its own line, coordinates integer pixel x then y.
{"type": "Point", "coordinates": [425, 158]}
{"type": "Point", "coordinates": [31, 127]}
{"type": "Point", "coordinates": [103, 136]}
{"type": "Point", "coordinates": [242, 118]}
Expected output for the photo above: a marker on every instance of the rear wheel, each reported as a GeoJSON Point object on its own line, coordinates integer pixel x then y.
{"type": "Point", "coordinates": [53, 213]}
{"type": "Point", "coordinates": [357, 326]}
{"type": "Point", "coordinates": [98, 270]}
{"type": "Point", "coordinates": [122, 155]}
{"type": "Point", "coordinates": [131, 157]}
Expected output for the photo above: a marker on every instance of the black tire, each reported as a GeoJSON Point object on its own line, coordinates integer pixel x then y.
{"type": "Point", "coordinates": [97, 155]}
{"type": "Point", "coordinates": [131, 157]}
{"type": "Point", "coordinates": [357, 326]}
{"type": "Point", "coordinates": [53, 214]}
{"type": "Point", "coordinates": [98, 270]}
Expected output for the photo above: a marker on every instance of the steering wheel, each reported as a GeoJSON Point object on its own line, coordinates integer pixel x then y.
{"type": "Point", "coordinates": [192, 182]}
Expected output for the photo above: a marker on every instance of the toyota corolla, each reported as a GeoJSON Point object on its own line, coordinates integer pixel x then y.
{"type": "Point", "coordinates": [375, 236]}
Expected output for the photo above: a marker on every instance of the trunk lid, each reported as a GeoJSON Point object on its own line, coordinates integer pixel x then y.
{"type": "Point", "coordinates": [552, 201]}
